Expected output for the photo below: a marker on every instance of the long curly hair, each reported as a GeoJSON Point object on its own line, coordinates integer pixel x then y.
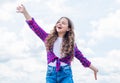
{"type": "Point", "coordinates": [67, 48]}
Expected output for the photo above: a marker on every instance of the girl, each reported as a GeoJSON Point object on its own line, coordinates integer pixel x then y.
{"type": "Point", "coordinates": [61, 49]}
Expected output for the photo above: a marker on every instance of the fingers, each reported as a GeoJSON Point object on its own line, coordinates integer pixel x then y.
{"type": "Point", "coordinates": [20, 8]}
{"type": "Point", "coordinates": [95, 70]}
{"type": "Point", "coordinates": [17, 9]}
{"type": "Point", "coordinates": [95, 74]}
{"type": "Point", "coordinates": [22, 5]}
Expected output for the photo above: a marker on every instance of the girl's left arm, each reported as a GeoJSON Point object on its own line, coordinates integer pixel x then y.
{"type": "Point", "coordinates": [95, 70]}
{"type": "Point", "coordinates": [84, 61]}
{"type": "Point", "coordinates": [78, 54]}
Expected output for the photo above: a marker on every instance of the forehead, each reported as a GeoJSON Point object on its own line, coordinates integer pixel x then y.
{"type": "Point", "coordinates": [64, 20]}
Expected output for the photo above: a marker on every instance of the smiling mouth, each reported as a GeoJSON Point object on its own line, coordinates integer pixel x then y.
{"type": "Point", "coordinates": [59, 27]}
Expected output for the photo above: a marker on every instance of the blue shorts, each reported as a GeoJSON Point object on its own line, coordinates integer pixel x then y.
{"type": "Point", "coordinates": [64, 75]}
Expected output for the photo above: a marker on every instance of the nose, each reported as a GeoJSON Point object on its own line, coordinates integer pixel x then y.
{"type": "Point", "coordinates": [59, 23]}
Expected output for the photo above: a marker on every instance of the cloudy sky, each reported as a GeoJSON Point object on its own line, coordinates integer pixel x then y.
{"type": "Point", "coordinates": [97, 30]}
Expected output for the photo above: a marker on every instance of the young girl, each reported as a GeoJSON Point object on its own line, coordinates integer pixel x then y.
{"type": "Point", "coordinates": [61, 49]}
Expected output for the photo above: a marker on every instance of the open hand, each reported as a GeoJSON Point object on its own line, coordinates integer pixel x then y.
{"type": "Point", "coordinates": [21, 9]}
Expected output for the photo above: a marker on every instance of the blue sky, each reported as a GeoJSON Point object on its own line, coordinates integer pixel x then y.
{"type": "Point", "coordinates": [97, 30]}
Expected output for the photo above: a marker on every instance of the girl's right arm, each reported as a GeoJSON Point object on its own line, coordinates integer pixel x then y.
{"type": "Point", "coordinates": [21, 9]}
{"type": "Point", "coordinates": [32, 24]}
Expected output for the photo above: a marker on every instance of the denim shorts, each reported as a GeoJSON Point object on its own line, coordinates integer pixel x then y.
{"type": "Point", "coordinates": [64, 75]}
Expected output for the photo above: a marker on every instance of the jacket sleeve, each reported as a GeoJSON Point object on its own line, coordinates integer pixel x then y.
{"type": "Point", "coordinates": [37, 29]}
{"type": "Point", "coordinates": [80, 57]}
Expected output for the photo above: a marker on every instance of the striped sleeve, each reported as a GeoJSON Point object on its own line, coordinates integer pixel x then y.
{"type": "Point", "coordinates": [37, 29]}
{"type": "Point", "coordinates": [81, 58]}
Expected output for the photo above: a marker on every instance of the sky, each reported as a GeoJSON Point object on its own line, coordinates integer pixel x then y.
{"type": "Point", "coordinates": [97, 34]}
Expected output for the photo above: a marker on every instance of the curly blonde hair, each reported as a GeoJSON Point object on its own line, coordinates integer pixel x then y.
{"type": "Point", "coordinates": [67, 42]}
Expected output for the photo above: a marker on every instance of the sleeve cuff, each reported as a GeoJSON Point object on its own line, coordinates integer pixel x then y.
{"type": "Point", "coordinates": [30, 21]}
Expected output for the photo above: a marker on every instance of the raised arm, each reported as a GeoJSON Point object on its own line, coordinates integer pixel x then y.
{"type": "Point", "coordinates": [22, 9]}
{"type": "Point", "coordinates": [84, 61]}
{"type": "Point", "coordinates": [31, 22]}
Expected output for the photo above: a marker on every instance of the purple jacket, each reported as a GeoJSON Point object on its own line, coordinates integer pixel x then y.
{"type": "Point", "coordinates": [51, 57]}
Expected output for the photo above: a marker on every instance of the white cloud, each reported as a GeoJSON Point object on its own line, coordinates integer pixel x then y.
{"type": "Point", "coordinates": [27, 65]}
{"type": "Point", "coordinates": [18, 61]}
{"type": "Point", "coordinates": [20, 44]}
{"type": "Point", "coordinates": [114, 54]}
{"type": "Point", "coordinates": [10, 45]}
{"type": "Point", "coordinates": [108, 66]}
{"type": "Point", "coordinates": [108, 26]}
{"type": "Point", "coordinates": [8, 75]}
{"type": "Point", "coordinates": [7, 10]}
{"type": "Point", "coordinates": [117, 1]}
{"type": "Point", "coordinates": [58, 6]}
{"type": "Point", "coordinates": [21, 70]}
{"type": "Point", "coordinates": [109, 69]}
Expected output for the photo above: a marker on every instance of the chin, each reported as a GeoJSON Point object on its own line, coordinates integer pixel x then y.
{"type": "Point", "coordinates": [59, 31]}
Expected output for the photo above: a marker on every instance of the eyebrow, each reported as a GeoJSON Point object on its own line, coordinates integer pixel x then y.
{"type": "Point", "coordinates": [63, 21]}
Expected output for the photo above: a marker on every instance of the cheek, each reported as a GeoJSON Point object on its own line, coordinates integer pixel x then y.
{"type": "Point", "coordinates": [66, 28]}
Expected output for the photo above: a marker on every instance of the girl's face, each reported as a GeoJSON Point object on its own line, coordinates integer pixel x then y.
{"type": "Point", "coordinates": [62, 25]}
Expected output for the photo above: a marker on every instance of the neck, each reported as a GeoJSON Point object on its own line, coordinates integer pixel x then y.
{"type": "Point", "coordinates": [61, 35]}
